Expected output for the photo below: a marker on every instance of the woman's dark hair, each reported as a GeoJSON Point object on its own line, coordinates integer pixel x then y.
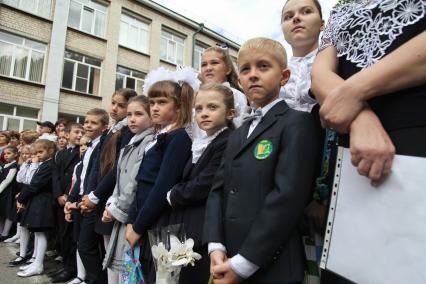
{"type": "Point", "coordinates": [316, 3]}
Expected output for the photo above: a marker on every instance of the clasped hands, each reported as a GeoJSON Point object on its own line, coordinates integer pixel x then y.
{"type": "Point", "coordinates": [346, 111]}
{"type": "Point", "coordinates": [221, 268]}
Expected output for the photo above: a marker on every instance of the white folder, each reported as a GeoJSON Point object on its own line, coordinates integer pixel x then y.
{"type": "Point", "coordinates": [377, 234]}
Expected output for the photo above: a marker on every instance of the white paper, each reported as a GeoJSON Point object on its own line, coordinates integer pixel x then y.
{"type": "Point", "coordinates": [379, 233]}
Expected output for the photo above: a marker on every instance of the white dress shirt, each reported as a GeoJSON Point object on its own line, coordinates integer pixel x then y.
{"type": "Point", "coordinates": [86, 160]}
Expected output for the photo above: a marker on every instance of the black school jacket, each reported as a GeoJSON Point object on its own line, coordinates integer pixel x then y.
{"type": "Point", "coordinates": [260, 191]}
{"type": "Point", "coordinates": [189, 197]}
{"type": "Point", "coordinates": [62, 170]}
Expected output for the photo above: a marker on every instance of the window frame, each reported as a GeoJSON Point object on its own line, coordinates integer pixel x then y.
{"type": "Point", "coordinates": [202, 47]}
{"type": "Point", "coordinates": [118, 73]}
{"type": "Point", "coordinates": [75, 70]}
{"type": "Point", "coordinates": [29, 50]}
{"type": "Point", "coordinates": [90, 6]}
{"type": "Point", "coordinates": [141, 25]}
{"type": "Point", "coordinates": [21, 119]}
{"type": "Point", "coordinates": [20, 6]}
{"type": "Point", "coordinates": [172, 40]}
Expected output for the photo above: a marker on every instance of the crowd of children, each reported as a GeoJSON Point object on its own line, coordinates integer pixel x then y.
{"type": "Point", "coordinates": [239, 158]}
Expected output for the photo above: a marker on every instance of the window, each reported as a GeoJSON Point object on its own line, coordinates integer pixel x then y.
{"type": "Point", "coordinates": [71, 118]}
{"type": "Point", "coordinates": [18, 118]}
{"type": "Point", "coordinates": [21, 58]}
{"type": "Point", "coordinates": [198, 52]}
{"type": "Point", "coordinates": [127, 78]}
{"type": "Point", "coordinates": [88, 16]}
{"type": "Point", "coordinates": [134, 33]}
{"type": "Point", "coordinates": [171, 47]}
{"type": "Point", "coordinates": [39, 7]}
{"type": "Point", "coordinates": [81, 73]}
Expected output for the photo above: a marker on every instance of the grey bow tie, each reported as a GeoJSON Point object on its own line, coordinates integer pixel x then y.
{"type": "Point", "coordinates": [254, 115]}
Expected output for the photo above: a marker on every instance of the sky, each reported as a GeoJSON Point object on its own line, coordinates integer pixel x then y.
{"type": "Point", "coordinates": [238, 20]}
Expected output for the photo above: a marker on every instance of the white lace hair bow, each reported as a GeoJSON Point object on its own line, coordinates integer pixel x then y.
{"type": "Point", "coordinates": [182, 74]}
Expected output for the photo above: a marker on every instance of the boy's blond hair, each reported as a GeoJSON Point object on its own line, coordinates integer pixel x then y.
{"type": "Point", "coordinates": [267, 45]}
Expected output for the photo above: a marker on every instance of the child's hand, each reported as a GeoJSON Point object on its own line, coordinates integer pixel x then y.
{"type": "Point", "coordinates": [229, 276]}
{"type": "Point", "coordinates": [68, 218]}
{"type": "Point", "coordinates": [316, 213]}
{"type": "Point", "coordinates": [217, 257]}
{"type": "Point", "coordinates": [69, 207]}
{"type": "Point", "coordinates": [107, 217]}
{"type": "Point", "coordinates": [131, 236]}
{"type": "Point", "coordinates": [86, 205]}
{"type": "Point", "coordinates": [62, 200]}
{"type": "Point", "coordinates": [34, 159]}
{"type": "Point", "coordinates": [19, 207]}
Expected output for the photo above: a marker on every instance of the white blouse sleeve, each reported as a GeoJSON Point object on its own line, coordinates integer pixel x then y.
{"type": "Point", "coordinates": [20, 176]}
{"type": "Point", "coordinates": [9, 178]}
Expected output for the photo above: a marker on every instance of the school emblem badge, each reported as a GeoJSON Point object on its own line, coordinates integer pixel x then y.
{"type": "Point", "coordinates": [263, 149]}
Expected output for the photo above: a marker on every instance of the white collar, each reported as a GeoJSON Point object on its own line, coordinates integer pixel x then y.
{"type": "Point", "coordinates": [266, 108]}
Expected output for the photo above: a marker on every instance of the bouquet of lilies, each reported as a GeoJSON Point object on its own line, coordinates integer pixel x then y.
{"type": "Point", "coordinates": [170, 253]}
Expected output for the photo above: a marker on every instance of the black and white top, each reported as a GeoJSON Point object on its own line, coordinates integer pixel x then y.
{"type": "Point", "coordinates": [363, 32]}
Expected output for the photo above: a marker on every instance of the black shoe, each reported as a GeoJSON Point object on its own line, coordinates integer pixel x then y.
{"type": "Point", "coordinates": [64, 276]}
{"type": "Point", "coordinates": [2, 238]}
{"type": "Point", "coordinates": [55, 272]}
{"type": "Point", "coordinates": [18, 261]}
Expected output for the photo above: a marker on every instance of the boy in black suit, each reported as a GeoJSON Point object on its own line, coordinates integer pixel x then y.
{"type": "Point", "coordinates": [62, 171]}
{"type": "Point", "coordinates": [264, 181]}
{"type": "Point", "coordinates": [95, 123]}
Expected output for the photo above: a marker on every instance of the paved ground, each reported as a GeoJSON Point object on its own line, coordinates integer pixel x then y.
{"type": "Point", "coordinates": [8, 274]}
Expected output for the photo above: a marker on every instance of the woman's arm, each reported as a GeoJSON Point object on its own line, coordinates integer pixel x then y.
{"type": "Point", "coordinates": [403, 68]}
{"type": "Point", "coordinates": [371, 148]}
{"type": "Point", "coordinates": [324, 73]}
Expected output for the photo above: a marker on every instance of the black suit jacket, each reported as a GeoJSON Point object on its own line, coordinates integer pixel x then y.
{"type": "Point", "coordinates": [189, 197]}
{"type": "Point", "coordinates": [75, 192]}
{"type": "Point", "coordinates": [62, 170]}
{"type": "Point", "coordinates": [256, 204]}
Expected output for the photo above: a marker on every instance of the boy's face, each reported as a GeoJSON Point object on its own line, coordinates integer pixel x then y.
{"type": "Point", "coordinates": [84, 142]}
{"type": "Point", "coordinates": [93, 126]}
{"type": "Point", "coordinates": [261, 76]}
{"type": "Point", "coordinates": [75, 135]}
{"type": "Point", "coordinates": [62, 140]}
{"type": "Point", "coordinates": [44, 129]}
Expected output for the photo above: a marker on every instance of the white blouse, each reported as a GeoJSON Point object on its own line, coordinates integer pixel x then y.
{"type": "Point", "coordinates": [296, 91]}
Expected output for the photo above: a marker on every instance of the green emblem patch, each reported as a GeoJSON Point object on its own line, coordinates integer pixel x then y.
{"type": "Point", "coordinates": [262, 150]}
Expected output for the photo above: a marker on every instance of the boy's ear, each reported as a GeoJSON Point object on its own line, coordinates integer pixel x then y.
{"type": "Point", "coordinates": [285, 75]}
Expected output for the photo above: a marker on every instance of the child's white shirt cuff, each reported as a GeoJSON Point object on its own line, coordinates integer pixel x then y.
{"type": "Point", "coordinates": [243, 267]}
{"type": "Point", "coordinates": [92, 197]}
{"type": "Point", "coordinates": [216, 246]}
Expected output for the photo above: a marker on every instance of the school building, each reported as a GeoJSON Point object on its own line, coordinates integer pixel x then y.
{"type": "Point", "coordinates": [60, 58]}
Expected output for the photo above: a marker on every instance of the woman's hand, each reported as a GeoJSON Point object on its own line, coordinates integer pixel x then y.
{"type": "Point", "coordinates": [341, 107]}
{"type": "Point", "coordinates": [371, 148]}
{"type": "Point", "coordinates": [107, 217]}
{"type": "Point", "coordinates": [131, 236]}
